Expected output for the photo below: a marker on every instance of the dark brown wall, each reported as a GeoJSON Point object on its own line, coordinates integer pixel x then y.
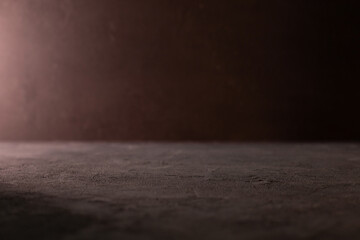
{"type": "Point", "coordinates": [178, 70]}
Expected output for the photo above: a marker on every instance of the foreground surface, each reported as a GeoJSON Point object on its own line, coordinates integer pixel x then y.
{"type": "Point", "coordinates": [179, 191]}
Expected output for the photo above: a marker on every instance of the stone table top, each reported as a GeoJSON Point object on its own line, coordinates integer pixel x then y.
{"type": "Point", "coordinates": [74, 190]}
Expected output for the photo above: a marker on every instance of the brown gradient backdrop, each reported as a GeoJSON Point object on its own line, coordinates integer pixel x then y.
{"type": "Point", "coordinates": [178, 70]}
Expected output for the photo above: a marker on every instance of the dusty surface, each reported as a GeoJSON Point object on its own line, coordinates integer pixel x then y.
{"type": "Point", "coordinates": [179, 191]}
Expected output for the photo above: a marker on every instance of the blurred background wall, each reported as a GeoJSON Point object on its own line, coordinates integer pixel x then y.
{"type": "Point", "coordinates": [243, 70]}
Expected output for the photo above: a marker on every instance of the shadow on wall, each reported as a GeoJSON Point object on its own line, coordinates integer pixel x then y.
{"type": "Point", "coordinates": [177, 70]}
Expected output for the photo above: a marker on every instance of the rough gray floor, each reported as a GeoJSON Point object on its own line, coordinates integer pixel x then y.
{"type": "Point", "coordinates": [179, 191]}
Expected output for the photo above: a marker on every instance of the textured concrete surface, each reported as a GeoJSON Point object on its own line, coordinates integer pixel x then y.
{"type": "Point", "coordinates": [179, 191]}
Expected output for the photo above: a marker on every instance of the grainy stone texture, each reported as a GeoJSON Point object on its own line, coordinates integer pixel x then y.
{"type": "Point", "coordinates": [179, 191]}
